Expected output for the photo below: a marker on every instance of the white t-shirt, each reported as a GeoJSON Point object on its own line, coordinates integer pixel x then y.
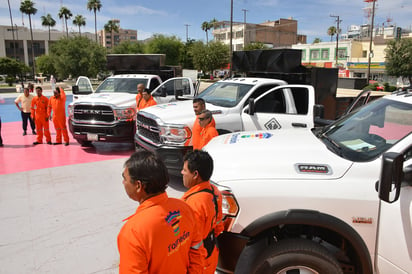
{"type": "Point", "coordinates": [25, 102]}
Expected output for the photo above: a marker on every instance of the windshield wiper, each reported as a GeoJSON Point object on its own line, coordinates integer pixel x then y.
{"type": "Point", "coordinates": [335, 147]}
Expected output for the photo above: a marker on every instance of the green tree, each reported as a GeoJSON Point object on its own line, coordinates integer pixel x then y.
{"type": "Point", "coordinates": [66, 14]}
{"type": "Point", "coordinates": [209, 57]}
{"type": "Point", "coordinates": [12, 68]}
{"type": "Point", "coordinates": [169, 45]}
{"type": "Point", "coordinates": [77, 56]}
{"type": "Point", "coordinates": [332, 31]}
{"type": "Point", "coordinates": [206, 26]}
{"type": "Point", "coordinates": [186, 58]}
{"type": "Point", "coordinates": [95, 6]}
{"type": "Point", "coordinates": [48, 21]}
{"type": "Point", "coordinates": [316, 40]}
{"type": "Point", "coordinates": [45, 65]}
{"type": "Point", "coordinates": [112, 26]}
{"type": "Point", "coordinates": [27, 7]}
{"type": "Point", "coordinates": [79, 21]}
{"type": "Point", "coordinates": [399, 58]}
{"type": "Point", "coordinates": [128, 47]}
{"type": "Point", "coordinates": [255, 45]}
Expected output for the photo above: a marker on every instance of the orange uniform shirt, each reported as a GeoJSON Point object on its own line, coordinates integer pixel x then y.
{"type": "Point", "coordinates": [58, 106]}
{"type": "Point", "coordinates": [39, 107]}
{"type": "Point", "coordinates": [161, 237]}
{"type": "Point", "coordinates": [144, 104]}
{"type": "Point", "coordinates": [138, 99]}
{"type": "Point", "coordinates": [196, 136]}
{"type": "Point", "coordinates": [205, 211]}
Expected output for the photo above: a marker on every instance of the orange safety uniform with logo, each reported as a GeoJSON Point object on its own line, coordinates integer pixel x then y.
{"type": "Point", "coordinates": [161, 237]}
{"type": "Point", "coordinates": [205, 135]}
{"type": "Point", "coordinates": [206, 201]}
{"type": "Point", "coordinates": [144, 104]}
{"type": "Point", "coordinates": [39, 114]}
{"type": "Point", "coordinates": [138, 99]}
{"type": "Point", "coordinates": [58, 107]}
{"type": "Point", "coordinates": [196, 136]}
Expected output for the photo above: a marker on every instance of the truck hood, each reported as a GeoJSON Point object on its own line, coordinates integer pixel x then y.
{"type": "Point", "coordinates": [284, 154]}
{"type": "Point", "coordinates": [118, 99]}
{"type": "Point", "coordinates": [180, 112]}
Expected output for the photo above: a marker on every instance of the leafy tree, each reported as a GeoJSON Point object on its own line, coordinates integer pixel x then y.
{"type": "Point", "coordinates": [255, 45]}
{"type": "Point", "coordinates": [169, 45]}
{"type": "Point", "coordinates": [27, 7]}
{"type": "Point", "coordinates": [316, 40]}
{"type": "Point", "coordinates": [206, 26]}
{"type": "Point", "coordinates": [332, 31]}
{"type": "Point", "coordinates": [127, 47]}
{"type": "Point", "coordinates": [78, 56]}
{"type": "Point", "coordinates": [112, 26]}
{"type": "Point", "coordinates": [12, 68]}
{"type": "Point", "coordinates": [210, 57]}
{"type": "Point", "coordinates": [45, 65]}
{"type": "Point", "coordinates": [94, 5]}
{"type": "Point", "coordinates": [186, 58]}
{"type": "Point", "coordinates": [66, 14]}
{"type": "Point", "coordinates": [48, 21]}
{"type": "Point", "coordinates": [399, 58]}
{"type": "Point", "coordinates": [79, 21]}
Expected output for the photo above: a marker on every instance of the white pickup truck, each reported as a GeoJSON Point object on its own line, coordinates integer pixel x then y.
{"type": "Point", "coordinates": [336, 199]}
{"type": "Point", "coordinates": [237, 104]}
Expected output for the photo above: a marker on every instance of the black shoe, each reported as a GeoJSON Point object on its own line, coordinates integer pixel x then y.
{"type": "Point", "coordinates": [34, 132]}
{"type": "Point", "coordinates": [49, 143]}
{"type": "Point", "coordinates": [66, 144]}
{"type": "Point", "coordinates": [57, 143]}
{"type": "Point", "coordinates": [24, 133]}
{"type": "Point", "coordinates": [1, 145]}
{"type": "Point", "coordinates": [36, 143]}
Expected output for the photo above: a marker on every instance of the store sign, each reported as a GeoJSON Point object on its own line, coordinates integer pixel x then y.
{"type": "Point", "coordinates": [364, 65]}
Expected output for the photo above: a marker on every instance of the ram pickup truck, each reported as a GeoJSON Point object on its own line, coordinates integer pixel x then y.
{"type": "Point", "coordinates": [335, 199]}
{"type": "Point", "coordinates": [237, 104]}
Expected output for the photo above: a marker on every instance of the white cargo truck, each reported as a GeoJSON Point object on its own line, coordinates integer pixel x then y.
{"type": "Point", "coordinates": [328, 200]}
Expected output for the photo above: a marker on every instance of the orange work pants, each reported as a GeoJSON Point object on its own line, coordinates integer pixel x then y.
{"type": "Point", "coordinates": [42, 127]}
{"type": "Point", "coordinates": [60, 127]}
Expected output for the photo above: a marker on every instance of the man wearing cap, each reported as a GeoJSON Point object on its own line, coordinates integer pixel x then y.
{"type": "Point", "coordinates": [162, 236]}
{"type": "Point", "coordinates": [207, 129]}
{"type": "Point", "coordinates": [39, 106]}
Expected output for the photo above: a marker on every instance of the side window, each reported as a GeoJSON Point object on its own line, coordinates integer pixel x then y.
{"type": "Point", "coordinates": [259, 91]}
{"type": "Point", "coordinates": [301, 99]}
{"type": "Point", "coordinates": [274, 102]}
{"type": "Point", "coordinates": [154, 83]}
{"type": "Point", "coordinates": [84, 86]}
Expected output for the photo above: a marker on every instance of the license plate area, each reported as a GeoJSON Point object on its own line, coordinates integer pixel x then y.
{"type": "Point", "coordinates": [92, 137]}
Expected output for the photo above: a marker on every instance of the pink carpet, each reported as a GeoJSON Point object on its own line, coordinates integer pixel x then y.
{"type": "Point", "coordinates": [19, 154]}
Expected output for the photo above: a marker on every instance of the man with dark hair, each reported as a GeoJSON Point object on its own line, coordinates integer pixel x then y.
{"type": "Point", "coordinates": [206, 201]}
{"type": "Point", "coordinates": [198, 106]}
{"type": "Point", "coordinates": [146, 101]}
{"type": "Point", "coordinates": [57, 105]}
{"type": "Point", "coordinates": [39, 106]}
{"type": "Point", "coordinates": [207, 129]}
{"type": "Point", "coordinates": [25, 110]}
{"type": "Point", "coordinates": [162, 236]}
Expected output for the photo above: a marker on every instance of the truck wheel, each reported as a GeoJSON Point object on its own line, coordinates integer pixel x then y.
{"type": "Point", "coordinates": [295, 256]}
{"type": "Point", "coordinates": [85, 143]}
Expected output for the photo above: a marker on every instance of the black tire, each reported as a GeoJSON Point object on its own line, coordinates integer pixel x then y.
{"type": "Point", "coordinates": [85, 143]}
{"type": "Point", "coordinates": [294, 256]}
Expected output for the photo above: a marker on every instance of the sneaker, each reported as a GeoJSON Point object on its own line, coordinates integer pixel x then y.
{"type": "Point", "coordinates": [66, 144]}
{"type": "Point", "coordinates": [57, 143]}
{"type": "Point", "coordinates": [36, 143]}
{"type": "Point", "coordinates": [34, 132]}
{"type": "Point", "coordinates": [24, 133]}
{"type": "Point", "coordinates": [49, 143]}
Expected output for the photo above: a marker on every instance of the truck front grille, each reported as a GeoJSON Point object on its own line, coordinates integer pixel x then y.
{"type": "Point", "coordinates": [147, 129]}
{"type": "Point", "coordinates": [97, 113]}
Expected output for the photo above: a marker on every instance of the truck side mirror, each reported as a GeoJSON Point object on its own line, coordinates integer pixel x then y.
{"type": "Point", "coordinates": [178, 93]}
{"type": "Point", "coordinates": [319, 111]}
{"type": "Point", "coordinates": [163, 92]}
{"type": "Point", "coordinates": [251, 104]}
{"type": "Point", "coordinates": [391, 177]}
{"type": "Point", "coordinates": [75, 89]}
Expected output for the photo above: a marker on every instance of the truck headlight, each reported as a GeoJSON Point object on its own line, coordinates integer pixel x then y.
{"type": "Point", "coordinates": [124, 114]}
{"type": "Point", "coordinates": [70, 110]}
{"type": "Point", "coordinates": [175, 135]}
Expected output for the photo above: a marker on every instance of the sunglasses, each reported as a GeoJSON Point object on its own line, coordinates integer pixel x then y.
{"type": "Point", "coordinates": [202, 118]}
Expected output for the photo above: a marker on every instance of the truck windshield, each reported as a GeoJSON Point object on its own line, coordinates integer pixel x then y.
{"type": "Point", "coordinates": [365, 134]}
{"type": "Point", "coordinates": [121, 85]}
{"type": "Point", "coordinates": [225, 94]}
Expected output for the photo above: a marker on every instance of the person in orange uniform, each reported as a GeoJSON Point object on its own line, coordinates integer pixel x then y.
{"type": "Point", "coordinates": [146, 101]}
{"type": "Point", "coordinates": [198, 106]}
{"type": "Point", "coordinates": [162, 236]}
{"type": "Point", "coordinates": [57, 107]}
{"type": "Point", "coordinates": [206, 200]}
{"type": "Point", "coordinates": [207, 129]}
{"type": "Point", "coordinates": [139, 97]}
{"type": "Point", "coordinates": [39, 106]}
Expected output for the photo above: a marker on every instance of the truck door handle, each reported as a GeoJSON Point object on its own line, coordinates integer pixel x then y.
{"type": "Point", "coordinates": [299, 125]}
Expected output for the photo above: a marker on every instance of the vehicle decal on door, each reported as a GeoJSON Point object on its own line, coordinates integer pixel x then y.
{"type": "Point", "coordinates": [237, 137]}
{"type": "Point", "coordinates": [272, 124]}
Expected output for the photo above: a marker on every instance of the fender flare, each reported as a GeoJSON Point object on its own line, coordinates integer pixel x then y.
{"type": "Point", "coordinates": [314, 218]}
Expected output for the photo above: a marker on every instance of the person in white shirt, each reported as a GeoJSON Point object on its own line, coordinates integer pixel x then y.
{"type": "Point", "coordinates": [23, 103]}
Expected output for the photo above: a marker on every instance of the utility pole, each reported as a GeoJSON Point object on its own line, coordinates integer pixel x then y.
{"type": "Point", "coordinates": [244, 26]}
{"type": "Point", "coordinates": [231, 38]}
{"type": "Point", "coordinates": [337, 38]}
{"type": "Point", "coordinates": [12, 31]}
{"type": "Point", "coordinates": [187, 31]}
{"type": "Point", "coordinates": [368, 75]}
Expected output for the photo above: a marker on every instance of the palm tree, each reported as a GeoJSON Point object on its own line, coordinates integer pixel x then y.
{"type": "Point", "coordinates": [27, 7]}
{"type": "Point", "coordinates": [112, 26]}
{"type": "Point", "coordinates": [94, 5]}
{"type": "Point", "coordinates": [213, 23]}
{"type": "Point", "coordinates": [79, 21]}
{"type": "Point", "coordinates": [332, 31]}
{"type": "Point", "coordinates": [316, 40]}
{"type": "Point", "coordinates": [48, 21]}
{"type": "Point", "coordinates": [205, 27]}
{"type": "Point", "coordinates": [66, 14]}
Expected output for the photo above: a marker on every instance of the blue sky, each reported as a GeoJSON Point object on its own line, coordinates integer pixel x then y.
{"type": "Point", "coordinates": [149, 17]}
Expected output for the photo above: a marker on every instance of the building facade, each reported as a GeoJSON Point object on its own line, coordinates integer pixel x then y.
{"type": "Point", "coordinates": [273, 34]}
{"type": "Point", "coordinates": [123, 35]}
